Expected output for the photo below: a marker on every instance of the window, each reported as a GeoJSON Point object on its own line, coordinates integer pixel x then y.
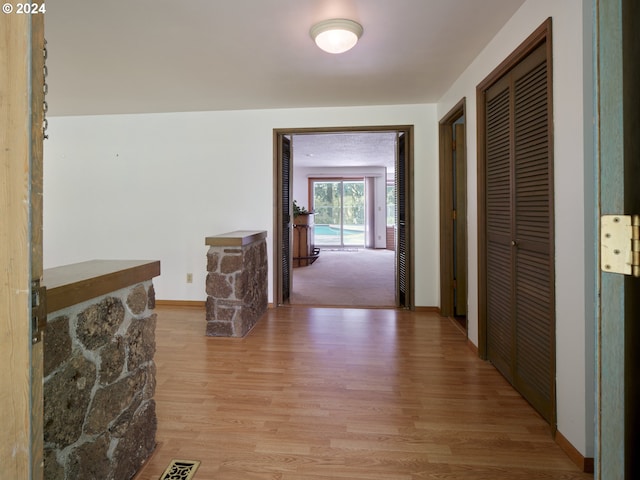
{"type": "Point", "coordinates": [339, 208]}
{"type": "Point", "coordinates": [391, 205]}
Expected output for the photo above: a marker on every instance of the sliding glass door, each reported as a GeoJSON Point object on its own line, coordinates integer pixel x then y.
{"type": "Point", "coordinates": [339, 207]}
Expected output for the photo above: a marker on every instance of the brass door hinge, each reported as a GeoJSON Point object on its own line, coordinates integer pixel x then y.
{"type": "Point", "coordinates": [620, 244]}
{"type": "Point", "coordinates": [38, 310]}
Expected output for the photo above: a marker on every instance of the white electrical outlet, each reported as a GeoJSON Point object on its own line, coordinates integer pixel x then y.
{"type": "Point", "coordinates": [189, 277]}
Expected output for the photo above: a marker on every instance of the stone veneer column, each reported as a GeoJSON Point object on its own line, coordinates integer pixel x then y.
{"type": "Point", "coordinates": [237, 283]}
{"type": "Point", "coordinates": [99, 370]}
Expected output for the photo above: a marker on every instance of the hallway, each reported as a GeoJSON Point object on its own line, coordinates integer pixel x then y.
{"type": "Point", "coordinates": [318, 394]}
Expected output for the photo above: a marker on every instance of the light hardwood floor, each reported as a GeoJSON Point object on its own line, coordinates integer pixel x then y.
{"type": "Point", "coordinates": [315, 394]}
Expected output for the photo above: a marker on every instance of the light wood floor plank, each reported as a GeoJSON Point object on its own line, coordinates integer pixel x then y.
{"type": "Point", "coordinates": [318, 394]}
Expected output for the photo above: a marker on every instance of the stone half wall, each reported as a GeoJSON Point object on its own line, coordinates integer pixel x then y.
{"type": "Point", "coordinates": [99, 381]}
{"type": "Point", "coordinates": [236, 288]}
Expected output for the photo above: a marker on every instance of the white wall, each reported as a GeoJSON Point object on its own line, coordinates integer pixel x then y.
{"type": "Point", "coordinates": [573, 161]}
{"type": "Point", "coordinates": [301, 177]}
{"type": "Point", "coordinates": [154, 186]}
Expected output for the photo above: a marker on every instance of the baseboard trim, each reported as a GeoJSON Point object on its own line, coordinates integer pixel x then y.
{"type": "Point", "coordinates": [350, 307]}
{"type": "Point", "coordinates": [585, 464]}
{"type": "Point", "coordinates": [473, 347]}
{"type": "Point", "coordinates": [190, 303]}
{"type": "Point", "coordinates": [428, 309]}
{"type": "Point", "coordinates": [181, 303]}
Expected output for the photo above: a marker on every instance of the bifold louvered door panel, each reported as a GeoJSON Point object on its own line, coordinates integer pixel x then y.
{"type": "Point", "coordinates": [535, 304]}
{"type": "Point", "coordinates": [286, 219]}
{"type": "Point", "coordinates": [499, 225]}
{"type": "Point", "coordinates": [401, 223]}
{"type": "Point", "coordinates": [519, 216]}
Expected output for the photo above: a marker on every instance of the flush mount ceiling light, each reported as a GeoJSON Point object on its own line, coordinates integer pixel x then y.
{"type": "Point", "coordinates": [336, 35]}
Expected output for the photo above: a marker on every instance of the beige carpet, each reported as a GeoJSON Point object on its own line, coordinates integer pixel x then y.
{"type": "Point", "coordinates": [353, 277]}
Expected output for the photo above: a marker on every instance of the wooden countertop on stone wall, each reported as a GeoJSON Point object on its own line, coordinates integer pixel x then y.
{"type": "Point", "coordinates": [72, 284]}
{"type": "Point", "coordinates": [235, 239]}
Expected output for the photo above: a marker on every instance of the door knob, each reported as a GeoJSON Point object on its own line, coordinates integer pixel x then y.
{"type": "Point", "coordinates": [514, 243]}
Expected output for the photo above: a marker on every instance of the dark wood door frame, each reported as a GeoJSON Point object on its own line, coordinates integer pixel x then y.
{"type": "Point", "coordinates": [447, 252]}
{"type": "Point", "coordinates": [278, 237]}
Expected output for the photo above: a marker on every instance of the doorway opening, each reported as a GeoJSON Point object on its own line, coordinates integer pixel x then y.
{"type": "Point", "coordinates": [348, 209]}
{"type": "Point", "coordinates": [453, 215]}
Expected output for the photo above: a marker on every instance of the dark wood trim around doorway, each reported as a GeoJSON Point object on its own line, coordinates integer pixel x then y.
{"type": "Point", "coordinates": [447, 251]}
{"type": "Point", "coordinates": [278, 220]}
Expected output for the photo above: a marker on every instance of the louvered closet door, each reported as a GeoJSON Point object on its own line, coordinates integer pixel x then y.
{"type": "Point", "coordinates": [520, 274]}
{"type": "Point", "coordinates": [500, 274]}
{"type": "Point", "coordinates": [535, 304]}
{"type": "Point", "coordinates": [285, 257]}
{"type": "Point", "coordinates": [402, 260]}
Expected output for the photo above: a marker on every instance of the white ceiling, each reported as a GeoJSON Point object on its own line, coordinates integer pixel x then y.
{"type": "Point", "coordinates": [148, 56]}
{"type": "Point", "coordinates": [349, 149]}
{"type": "Point", "coordinates": [141, 56]}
